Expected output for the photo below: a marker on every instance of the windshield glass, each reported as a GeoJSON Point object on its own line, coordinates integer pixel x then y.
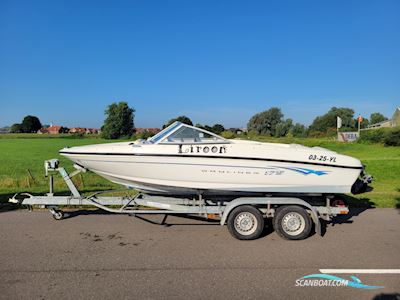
{"type": "Point", "coordinates": [191, 135]}
{"type": "Point", "coordinates": [162, 134]}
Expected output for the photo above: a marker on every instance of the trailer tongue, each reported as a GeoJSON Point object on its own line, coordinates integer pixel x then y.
{"type": "Point", "coordinates": [293, 215]}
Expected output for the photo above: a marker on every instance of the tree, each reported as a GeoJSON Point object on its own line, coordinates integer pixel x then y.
{"type": "Point", "coordinates": [217, 128]}
{"type": "Point", "coordinates": [283, 128]}
{"type": "Point", "coordinates": [299, 130]}
{"type": "Point", "coordinates": [327, 122]}
{"type": "Point", "coordinates": [182, 119]}
{"type": "Point", "coordinates": [30, 124]}
{"type": "Point", "coordinates": [377, 118]}
{"type": "Point", "coordinates": [16, 128]}
{"type": "Point", "coordinates": [119, 121]}
{"type": "Point", "coordinates": [265, 122]}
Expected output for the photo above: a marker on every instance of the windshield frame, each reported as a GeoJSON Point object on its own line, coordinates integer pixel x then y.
{"type": "Point", "coordinates": [162, 136]}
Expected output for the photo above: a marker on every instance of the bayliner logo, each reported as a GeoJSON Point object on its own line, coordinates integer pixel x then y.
{"type": "Point", "coordinates": [201, 149]}
{"type": "Point", "coordinates": [321, 280]}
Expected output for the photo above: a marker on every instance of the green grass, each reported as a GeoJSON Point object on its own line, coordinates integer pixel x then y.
{"type": "Point", "coordinates": [17, 156]}
{"type": "Point", "coordinates": [20, 153]}
{"type": "Point", "coordinates": [9, 136]}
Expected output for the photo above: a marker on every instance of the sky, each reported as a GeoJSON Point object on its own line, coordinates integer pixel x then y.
{"type": "Point", "coordinates": [214, 61]}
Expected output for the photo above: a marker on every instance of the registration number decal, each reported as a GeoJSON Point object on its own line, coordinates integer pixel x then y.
{"type": "Point", "coordinates": [322, 158]}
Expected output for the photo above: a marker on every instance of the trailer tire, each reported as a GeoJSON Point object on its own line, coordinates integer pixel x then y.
{"type": "Point", "coordinates": [292, 222]}
{"type": "Point", "coordinates": [245, 223]}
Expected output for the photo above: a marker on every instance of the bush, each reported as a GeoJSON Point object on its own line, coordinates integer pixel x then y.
{"type": "Point", "coordinates": [393, 138]}
{"type": "Point", "coordinates": [373, 135]}
{"type": "Point", "coordinates": [142, 135]}
{"type": "Point", "coordinates": [77, 135]}
{"type": "Point", "coordinates": [228, 134]}
{"type": "Point", "coordinates": [16, 128]}
{"type": "Point", "coordinates": [387, 136]}
{"type": "Point", "coordinates": [252, 134]}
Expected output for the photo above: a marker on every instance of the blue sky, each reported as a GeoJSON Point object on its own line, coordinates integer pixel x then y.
{"type": "Point", "coordinates": [214, 61]}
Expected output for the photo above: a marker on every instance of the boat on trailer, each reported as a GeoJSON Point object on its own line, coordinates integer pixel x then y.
{"type": "Point", "coordinates": [186, 160]}
{"type": "Point", "coordinates": [184, 170]}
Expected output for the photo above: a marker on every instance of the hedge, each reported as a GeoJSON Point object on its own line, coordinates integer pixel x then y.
{"type": "Point", "coordinates": [386, 136]}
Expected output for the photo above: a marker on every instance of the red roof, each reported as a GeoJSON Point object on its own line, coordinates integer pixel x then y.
{"type": "Point", "coordinates": [54, 128]}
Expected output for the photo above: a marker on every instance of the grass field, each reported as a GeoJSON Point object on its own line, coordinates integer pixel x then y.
{"type": "Point", "coordinates": [23, 156]}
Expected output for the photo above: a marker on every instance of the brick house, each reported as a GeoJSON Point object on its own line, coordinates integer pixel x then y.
{"type": "Point", "coordinates": [42, 130]}
{"type": "Point", "coordinates": [55, 129]}
{"type": "Point", "coordinates": [77, 130]}
{"type": "Point", "coordinates": [91, 131]}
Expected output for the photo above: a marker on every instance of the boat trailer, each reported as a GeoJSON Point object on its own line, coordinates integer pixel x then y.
{"type": "Point", "coordinates": [243, 215]}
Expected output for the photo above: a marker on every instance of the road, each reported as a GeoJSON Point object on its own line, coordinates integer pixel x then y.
{"type": "Point", "coordinates": [102, 256]}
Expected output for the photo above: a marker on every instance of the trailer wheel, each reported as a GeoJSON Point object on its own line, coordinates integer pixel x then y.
{"type": "Point", "coordinates": [245, 223]}
{"type": "Point", "coordinates": [292, 222]}
{"type": "Point", "coordinates": [58, 215]}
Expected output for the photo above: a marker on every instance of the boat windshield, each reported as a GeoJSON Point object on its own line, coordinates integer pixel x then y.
{"type": "Point", "coordinates": [163, 133]}
{"type": "Point", "coordinates": [181, 133]}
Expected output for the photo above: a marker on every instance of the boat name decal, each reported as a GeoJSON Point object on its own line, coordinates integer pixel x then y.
{"type": "Point", "coordinates": [201, 149]}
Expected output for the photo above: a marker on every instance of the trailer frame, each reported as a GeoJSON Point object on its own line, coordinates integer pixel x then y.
{"type": "Point", "coordinates": [166, 205]}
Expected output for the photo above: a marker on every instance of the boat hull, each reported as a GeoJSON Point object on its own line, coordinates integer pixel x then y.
{"type": "Point", "coordinates": [194, 175]}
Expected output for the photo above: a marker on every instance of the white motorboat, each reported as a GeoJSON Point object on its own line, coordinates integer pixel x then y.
{"type": "Point", "coordinates": [183, 159]}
